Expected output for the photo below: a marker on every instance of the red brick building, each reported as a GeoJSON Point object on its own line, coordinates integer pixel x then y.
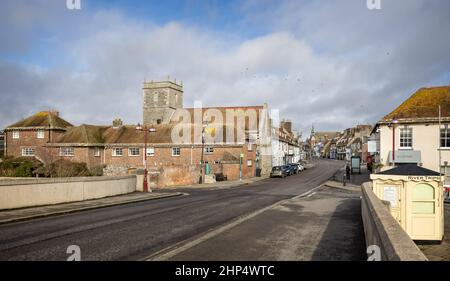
{"type": "Point", "coordinates": [120, 149]}
{"type": "Point", "coordinates": [231, 138]}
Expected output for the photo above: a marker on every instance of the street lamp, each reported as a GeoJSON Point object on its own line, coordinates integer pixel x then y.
{"type": "Point", "coordinates": [204, 125]}
{"type": "Point", "coordinates": [144, 128]}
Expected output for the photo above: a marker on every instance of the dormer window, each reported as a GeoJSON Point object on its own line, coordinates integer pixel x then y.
{"type": "Point", "coordinates": [40, 134]}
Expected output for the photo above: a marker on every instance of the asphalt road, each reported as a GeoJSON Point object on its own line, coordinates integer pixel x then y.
{"type": "Point", "coordinates": [135, 231]}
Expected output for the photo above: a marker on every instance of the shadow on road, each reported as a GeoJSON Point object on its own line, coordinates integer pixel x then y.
{"type": "Point", "coordinates": [343, 239]}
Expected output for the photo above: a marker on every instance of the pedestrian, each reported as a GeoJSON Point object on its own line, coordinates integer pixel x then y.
{"type": "Point", "coordinates": [347, 171]}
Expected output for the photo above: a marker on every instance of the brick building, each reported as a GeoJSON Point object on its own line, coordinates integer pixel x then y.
{"type": "Point", "coordinates": [176, 137]}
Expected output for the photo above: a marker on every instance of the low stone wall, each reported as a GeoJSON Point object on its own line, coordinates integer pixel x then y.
{"type": "Point", "coordinates": [20, 193]}
{"type": "Point", "coordinates": [382, 230]}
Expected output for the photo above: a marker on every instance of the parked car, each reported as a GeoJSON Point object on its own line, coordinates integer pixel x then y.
{"type": "Point", "coordinates": [289, 169]}
{"type": "Point", "coordinates": [303, 163]}
{"type": "Point", "coordinates": [294, 167]}
{"type": "Point", "coordinates": [301, 167]}
{"type": "Point", "coordinates": [278, 171]}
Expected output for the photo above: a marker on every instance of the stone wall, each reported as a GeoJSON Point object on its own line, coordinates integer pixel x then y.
{"type": "Point", "coordinates": [20, 193]}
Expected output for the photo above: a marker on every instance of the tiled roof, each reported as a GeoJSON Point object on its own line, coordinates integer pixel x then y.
{"type": "Point", "coordinates": [86, 134]}
{"type": "Point", "coordinates": [423, 104]}
{"type": "Point", "coordinates": [409, 170]}
{"type": "Point", "coordinates": [129, 134]}
{"type": "Point", "coordinates": [42, 119]}
{"type": "Point", "coordinates": [326, 135]}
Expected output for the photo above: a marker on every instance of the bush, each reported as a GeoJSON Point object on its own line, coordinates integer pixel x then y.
{"type": "Point", "coordinates": [65, 168]}
{"type": "Point", "coordinates": [97, 171]}
{"type": "Point", "coordinates": [19, 167]}
{"type": "Point", "coordinates": [30, 167]}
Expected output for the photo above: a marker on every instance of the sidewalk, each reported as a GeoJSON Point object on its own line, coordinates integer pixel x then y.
{"type": "Point", "coordinates": [43, 211]}
{"type": "Point", "coordinates": [355, 179]}
{"type": "Point", "coordinates": [216, 185]}
{"type": "Point", "coordinates": [436, 251]}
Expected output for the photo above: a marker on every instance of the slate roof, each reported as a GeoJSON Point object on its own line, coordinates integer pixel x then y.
{"type": "Point", "coordinates": [42, 119]}
{"type": "Point", "coordinates": [409, 170]}
{"type": "Point", "coordinates": [423, 104]}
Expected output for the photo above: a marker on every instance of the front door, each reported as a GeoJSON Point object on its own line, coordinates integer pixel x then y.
{"type": "Point", "coordinates": [424, 212]}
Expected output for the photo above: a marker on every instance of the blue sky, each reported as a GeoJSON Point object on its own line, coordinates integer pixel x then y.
{"type": "Point", "coordinates": [328, 62]}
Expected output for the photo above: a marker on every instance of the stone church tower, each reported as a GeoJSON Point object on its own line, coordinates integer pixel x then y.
{"type": "Point", "coordinates": [161, 99]}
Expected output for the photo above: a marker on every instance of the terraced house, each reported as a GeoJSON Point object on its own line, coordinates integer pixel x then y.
{"type": "Point", "coordinates": [177, 139]}
{"type": "Point", "coordinates": [286, 147]}
{"type": "Point", "coordinates": [418, 131]}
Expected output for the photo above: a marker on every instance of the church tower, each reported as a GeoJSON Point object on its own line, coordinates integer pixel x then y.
{"type": "Point", "coordinates": [161, 99]}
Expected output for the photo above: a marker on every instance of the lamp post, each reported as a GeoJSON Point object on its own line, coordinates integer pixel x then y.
{"type": "Point", "coordinates": [204, 125]}
{"type": "Point", "coordinates": [140, 128]}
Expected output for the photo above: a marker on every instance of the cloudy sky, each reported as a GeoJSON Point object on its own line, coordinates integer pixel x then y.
{"type": "Point", "coordinates": [334, 63]}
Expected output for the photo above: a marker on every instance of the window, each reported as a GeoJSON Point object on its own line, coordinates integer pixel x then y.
{"type": "Point", "coordinates": [67, 151]}
{"type": "Point", "coordinates": [133, 151]}
{"type": "Point", "coordinates": [209, 149]}
{"type": "Point", "coordinates": [118, 151]}
{"type": "Point", "coordinates": [406, 138]}
{"type": "Point", "coordinates": [97, 152]}
{"type": "Point", "coordinates": [445, 170]}
{"type": "Point", "coordinates": [15, 135]}
{"type": "Point", "coordinates": [176, 151]}
{"type": "Point", "coordinates": [28, 151]}
{"type": "Point", "coordinates": [155, 97]}
{"type": "Point", "coordinates": [150, 151]}
{"type": "Point", "coordinates": [249, 163]}
{"type": "Point", "coordinates": [445, 137]}
{"type": "Point", "coordinates": [40, 134]}
{"type": "Point", "coordinates": [423, 199]}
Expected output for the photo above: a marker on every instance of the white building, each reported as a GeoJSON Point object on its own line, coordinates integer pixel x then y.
{"type": "Point", "coordinates": [415, 132]}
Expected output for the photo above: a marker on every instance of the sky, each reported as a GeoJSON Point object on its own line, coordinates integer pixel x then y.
{"type": "Point", "coordinates": [331, 63]}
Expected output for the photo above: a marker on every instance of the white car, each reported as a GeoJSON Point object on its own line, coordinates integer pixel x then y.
{"type": "Point", "coordinates": [300, 167]}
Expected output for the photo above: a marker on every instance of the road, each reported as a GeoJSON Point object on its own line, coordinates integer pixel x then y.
{"type": "Point", "coordinates": [135, 231]}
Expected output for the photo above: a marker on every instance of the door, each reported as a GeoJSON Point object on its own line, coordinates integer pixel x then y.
{"type": "Point", "coordinates": [424, 212]}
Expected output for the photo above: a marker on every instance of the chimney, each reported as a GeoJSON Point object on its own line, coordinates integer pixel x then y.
{"type": "Point", "coordinates": [54, 112]}
{"type": "Point", "coordinates": [117, 123]}
{"type": "Point", "coordinates": [287, 125]}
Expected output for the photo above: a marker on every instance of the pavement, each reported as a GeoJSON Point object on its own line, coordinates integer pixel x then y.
{"type": "Point", "coordinates": [49, 210]}
{"type": "Point", "coordinates": [438, 251]}
{"type": "Point", "coordinates": [323, 224]}
{"type": "Point", "coordinates": [142, 229]}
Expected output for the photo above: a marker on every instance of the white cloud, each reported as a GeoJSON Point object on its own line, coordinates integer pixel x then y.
{"type": "Point", "coordinates": [327, 62]}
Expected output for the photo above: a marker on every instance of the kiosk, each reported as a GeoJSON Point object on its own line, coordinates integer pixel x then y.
{"type": "Point", "coordinates": [416, 198]}
{"type": "Point", "coordinates": [356, 164]}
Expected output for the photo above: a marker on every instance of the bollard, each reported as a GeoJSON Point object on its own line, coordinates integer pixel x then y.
{"type": "Point", "coordinates": [343, 180]}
